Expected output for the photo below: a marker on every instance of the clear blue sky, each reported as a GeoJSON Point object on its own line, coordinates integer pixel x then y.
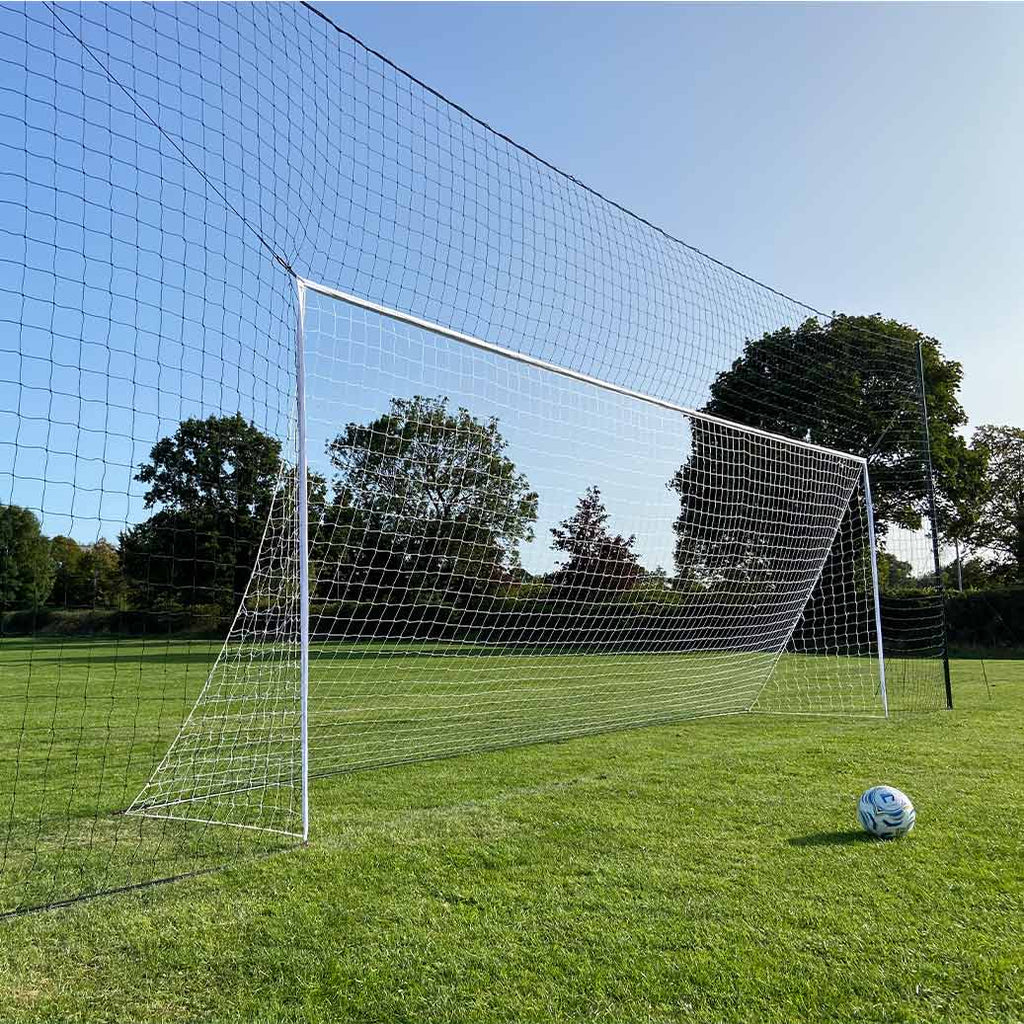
{"type": "Point", "coordinates": [861, 158]}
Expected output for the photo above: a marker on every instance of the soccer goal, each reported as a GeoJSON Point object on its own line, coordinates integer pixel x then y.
{"type": "Point", "coordinates": [406, 602]}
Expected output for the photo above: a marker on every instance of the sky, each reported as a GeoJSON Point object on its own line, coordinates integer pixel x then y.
{"type": "Point", "coordinates": [861, 158]}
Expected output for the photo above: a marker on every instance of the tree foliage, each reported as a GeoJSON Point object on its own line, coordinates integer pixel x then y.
{"type": "Point", "coordinates": [709, 548]}
{"type": "Point", "coordinates": [737, 527]}
{"type": "Point", "coordinates": [425, 500]}
{"type": "Point", "coordinates": [839, 385]}
{"type": "Point", "coordinates": [66, 554]}
{"type": "Point", "coordinates": [999, 525]}
{"type": "Point", "coordinates": [101, 566]}
{"type": "Point", "coordinates": [598, 562]}
{"type": "Point", "coordinates": [894, 574]}
{"type": "Point", "coordinates": [85, 575]}
{"type": "Point", "coordinates": [26, 567]}
{"type": "Point", "coordinates": [212, 483]}
{"type": "Point", "coordinates": [978, 573]}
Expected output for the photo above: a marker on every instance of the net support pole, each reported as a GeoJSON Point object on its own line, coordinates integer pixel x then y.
{"type": "Point", "coordinates": [301, 488]}
{"type": "Point", "coordinates": [934, 517]}
{"type": "Point", "coordinates": [875, 589]}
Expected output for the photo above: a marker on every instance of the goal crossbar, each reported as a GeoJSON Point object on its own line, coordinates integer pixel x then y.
{"type": "Point", "coordinates": [564, 371]}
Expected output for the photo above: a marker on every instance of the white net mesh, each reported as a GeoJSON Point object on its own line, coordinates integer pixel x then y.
{"type": "Point", "coordinates": [831, 662]}
{"type": "Point", "coordinates": [448, 616]}
{"type": "Point", "coordinates": [172, 168]}
{"type": "Point", "coordinates": [237, 759]}
{"type": "Point", "coordinates": [504, 554]}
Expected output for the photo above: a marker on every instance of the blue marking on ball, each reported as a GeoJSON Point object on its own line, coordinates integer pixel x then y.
{"type": "Point", "coordinates": [886, 812]}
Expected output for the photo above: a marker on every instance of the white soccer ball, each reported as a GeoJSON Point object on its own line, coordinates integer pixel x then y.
{"type": "Point", "coordinates": [886, 812]}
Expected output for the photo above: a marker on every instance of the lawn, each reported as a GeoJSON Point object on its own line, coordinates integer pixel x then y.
{"type": "Point", "coordinates": [703, 871]}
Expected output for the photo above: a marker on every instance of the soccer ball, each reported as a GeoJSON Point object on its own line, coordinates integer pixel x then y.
{"type": "Point", "coordinates": [886, 812]}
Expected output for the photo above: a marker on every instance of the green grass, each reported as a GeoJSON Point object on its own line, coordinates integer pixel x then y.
{"type": "Point", "coordinates": [705, 871]}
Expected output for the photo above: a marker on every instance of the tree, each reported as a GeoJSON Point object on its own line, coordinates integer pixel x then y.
{"type": "Point", "coordinates": [26, 568]}
{"type": "Point", "coordinates": [1000, 521]}
{"type": "Point", "coordinates": [894, 573]}
{"type": "Point", "coordinates": [959, 510]}
{"type": "Point", "coordinates": [86, 575]}
{"type": "Point", "coordinates": [599, 563]}
{"type": "Point", "coordinates": [101, 570]}
{"type": "Point", "coordinates": [738, 530]}
{"type": "Point", "coordinates": [977, 573]}
{"type": "Point", "coordinates": [66, 554]}
{"type": "Point", "coordinates": [425, 501]}
{"type": "Point", "coordinates": [840, 385]}
{"type": "Point", "coordinates": [213, 481]}
{"type": "Point", "coordinates": [710, 549]}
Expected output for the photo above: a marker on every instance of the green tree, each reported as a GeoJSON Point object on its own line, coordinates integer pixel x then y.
{"type": "Point", "coordinates": [102, 577]}
{"type": "Point", "coordinates": [599, 562]}
{"type": "Point", "coordinates": [852, 384]}
{"type": "Point", "coordinates": [66, 554]}
{"type": "Point", "coordinates": [710, 548]}
{"type": "Point", "coordinates": [86, 575]}
{"type": "Point", "coordinates": [894, 573]}
{"type": "Point", "coordinates": [1000, 521]}
{"type": "Point", "coordinates": [212, 483]}
{"type": "Point", "coordinates": [26, 567]}
{"type": "Point", "coordinates": [426, 500]}
{"type": "Point", "coordinates": [742, 521]}
{"type": "Point", "coordinates": [978, 573]}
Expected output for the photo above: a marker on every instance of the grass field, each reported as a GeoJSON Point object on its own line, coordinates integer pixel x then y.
{"type": "Point", "coordinates": [90, 719]}
{"type": "Point", "coordinates": [704, 871]}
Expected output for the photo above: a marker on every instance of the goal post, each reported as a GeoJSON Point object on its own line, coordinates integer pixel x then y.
{"type": "Point", "coordinates": [302, 494]}
{"type": "Point", "coordinates": [875, 591]}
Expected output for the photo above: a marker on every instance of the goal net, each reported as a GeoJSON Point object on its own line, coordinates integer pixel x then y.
{"type": "Point", "coordinates": [238, 757]}
{"type": "Point", "coordinates": [507, 553]}
{"type": "Point", "coordinates": [504, 552]}
{"type": "Point", "coordinates": [543, 469]}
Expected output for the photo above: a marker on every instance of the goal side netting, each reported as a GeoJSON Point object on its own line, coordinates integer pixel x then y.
{"type": "Point", "coordinates": [237, 758]}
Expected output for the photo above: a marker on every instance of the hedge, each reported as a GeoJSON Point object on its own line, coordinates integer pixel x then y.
{"type": "Point", "coordinates": [987, 619]}
{"type": "Point", "coordinates": [990, 619]}
{"type": "Point", "coordinates": [204, 621]}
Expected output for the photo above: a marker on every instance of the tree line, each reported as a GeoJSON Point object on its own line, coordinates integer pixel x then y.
{"type": "Point", "coordinates": [424, 501]}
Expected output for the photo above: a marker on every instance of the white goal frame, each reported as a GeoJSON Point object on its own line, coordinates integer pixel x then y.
{"type": "Point", "coordinates": [159, 809]}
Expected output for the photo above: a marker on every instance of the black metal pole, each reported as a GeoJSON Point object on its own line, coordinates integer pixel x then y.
{"type": "Point", "coordinates": [933, 515]}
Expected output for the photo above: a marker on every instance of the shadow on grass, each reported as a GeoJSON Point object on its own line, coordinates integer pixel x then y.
{"type": "Point", "coordinates": [846, 838]}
